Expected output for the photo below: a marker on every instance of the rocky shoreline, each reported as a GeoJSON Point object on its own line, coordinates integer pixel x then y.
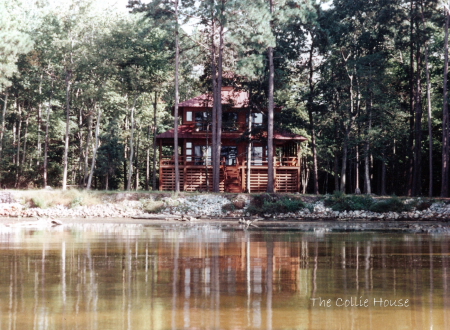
{"type": "Point", "coordinates": [213, 206]}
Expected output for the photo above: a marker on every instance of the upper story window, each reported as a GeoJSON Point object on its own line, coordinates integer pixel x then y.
{"type": "Point", "coordinates": [257, 119]}
{"type": "Point", "coordinates": [230, 121]}
{"type": "Point", "coordinates": [203, 121]}
{"type": "Point", "coordinates": [188, 115]}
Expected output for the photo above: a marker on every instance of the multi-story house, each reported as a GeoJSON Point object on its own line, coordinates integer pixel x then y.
{"type": "Point", "coordinates": [194, 140]}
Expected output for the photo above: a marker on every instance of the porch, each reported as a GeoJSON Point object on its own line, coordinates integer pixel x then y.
{"type": "Point", "coordinates": [233, 178]}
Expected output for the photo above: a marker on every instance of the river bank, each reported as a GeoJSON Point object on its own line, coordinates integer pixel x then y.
{"type": "Point", "coordinates": [168, 206]}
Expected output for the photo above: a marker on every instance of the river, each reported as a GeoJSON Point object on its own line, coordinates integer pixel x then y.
{"type": "Point", "coordinates": [203, 276]}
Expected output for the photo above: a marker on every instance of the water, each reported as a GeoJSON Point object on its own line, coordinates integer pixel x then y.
{"type": "Point", "coordinates": [113, 276]}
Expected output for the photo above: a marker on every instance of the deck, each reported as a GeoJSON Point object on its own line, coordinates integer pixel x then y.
{"type": "Point", "coordinates": [195, 177]}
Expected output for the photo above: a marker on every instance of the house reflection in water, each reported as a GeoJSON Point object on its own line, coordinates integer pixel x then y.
{"type": "Point", "coordinates": [172, 277]}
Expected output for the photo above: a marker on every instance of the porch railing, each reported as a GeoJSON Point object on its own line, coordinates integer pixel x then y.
{"type": "Point", "coordinates": [197, 161]}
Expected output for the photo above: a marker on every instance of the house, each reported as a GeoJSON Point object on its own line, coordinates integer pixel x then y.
{"type": "Point", "coordinates": [194, 140]}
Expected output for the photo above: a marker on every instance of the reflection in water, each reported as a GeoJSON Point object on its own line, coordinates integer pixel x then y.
{"type": "Point", "coordinates": [175, 277]}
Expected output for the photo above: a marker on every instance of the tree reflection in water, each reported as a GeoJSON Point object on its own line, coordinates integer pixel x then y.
{"type": "Point", "coordinates": [104, 276]}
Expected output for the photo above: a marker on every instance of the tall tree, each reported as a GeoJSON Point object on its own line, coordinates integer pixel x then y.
{"type": "Point", "coordinates": [445, 115]}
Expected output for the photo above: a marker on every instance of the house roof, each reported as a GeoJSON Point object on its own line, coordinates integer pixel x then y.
{"type": "Point", "coordinates": [188, 131]}
{"type": "Point", "coordinates": [233, 97]}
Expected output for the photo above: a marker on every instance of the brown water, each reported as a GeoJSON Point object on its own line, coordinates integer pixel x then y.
{"type": "Point", "coordinates": [207, 277]}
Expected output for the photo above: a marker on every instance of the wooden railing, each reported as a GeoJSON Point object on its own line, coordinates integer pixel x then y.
{"type": "Point", "coordinates": [277, 162]}
{"type": "Point", "coordinates": [197, 161]}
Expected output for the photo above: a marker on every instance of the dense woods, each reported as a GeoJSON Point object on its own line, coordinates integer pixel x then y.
{"type": "Point", "coordinates": [84, 89]}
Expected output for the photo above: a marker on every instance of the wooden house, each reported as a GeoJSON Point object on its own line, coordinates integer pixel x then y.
{"type": "Point", "coordinates": [194, 140]}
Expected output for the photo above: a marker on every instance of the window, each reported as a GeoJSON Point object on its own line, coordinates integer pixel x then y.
{"type": "Point", "coordinates": [230, 121]}
{"type": "Point", "coordinates": [188, 115]}
{"type": "Point", "coordinates": [203, 121]}
{"type": "Point", "coordinates": [189, 151]}
{"type": "Point", "coordinates": [257, 119]}
{"type": "Point", "coordinates": [201, 154]}
{"type": "Point", "coordinates": [258, 155]}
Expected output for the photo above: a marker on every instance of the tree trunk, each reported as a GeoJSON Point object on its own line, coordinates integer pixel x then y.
{"type": "Point", "coordinates": [357, 188]}
{"type": "Point", "coordinates": [270, 110]}
{"type": "Point", "coordinates": [249, 145]}
{"type": "Point", "coordinates": [130, 160]}
{"type": "Point", "coordinates": [86, 149]}
{"type": "Point", "coordinates": [417, 182]}
{"type": "Point", "coordinates": [19, 130]}
{"type": "Point", "coordinates": [430, 128]}
{"type": "Point", "coordinates": [216, 100]}
{"type": "Point", "coordinates": [47, 125]}
{"type": "Point", "coordinates": [344, 161]}
{"type": "Point", "coordinates": [383, 173]}
{"type": "Point", "coordinates": [39, 114]}
{"type": "Point", "coordinates": [311, 121]}
{"type": "Point", "coordinates": [2, 128]}
{"type": "Point", "coordinates": [81, 147]}
{"type": "Point", "coordinates": [411, 105]}
{"type": "Point", "coordinates": [136, 164]}
{"type": "Point", "coordinates": [445, 119]}
{"type": "Point", "coordinates": [336, 159]}
{"type": "Point", "coordinates": [155, 131]}
{"type": "Point", "coordinates": [219, 102]}
{"type": "Point", "coordinates": [367, 185]}
{"type": "Point", "coordinates": [25, 138]}
{"type": "Point", "coordinates": [94, 156]}
{"type": "Point", "coordinates": [66, 142]}
{"type": "Point", "coordinates": [147, 161]}
{"type": "Point", "coordinates": [175, 134]}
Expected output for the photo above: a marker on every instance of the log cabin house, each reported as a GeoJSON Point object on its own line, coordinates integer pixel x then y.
{"type": "Point", "coordinates": [194, 140]}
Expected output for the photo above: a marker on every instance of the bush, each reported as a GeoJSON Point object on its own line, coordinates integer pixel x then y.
{"type": "Point", "coordinates": [394, 204]}
{"type": "Point", "coordinates": [228, 207]}
{"type": "Point", "coordinates": [270, 204]}
{"type": "Point", "coordinates": [341, 202]}
{"type": "Point", "coordinates": [38, 202]}
{"type": "Point", "coordinates": [151, 206]}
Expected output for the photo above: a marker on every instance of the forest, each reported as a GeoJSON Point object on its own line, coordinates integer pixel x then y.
{"type": "Point", "coordinates": [85, 88]}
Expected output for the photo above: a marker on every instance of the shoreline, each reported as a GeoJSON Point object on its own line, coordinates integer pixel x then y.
{"type": "Point", "coordinates": [214, 209]}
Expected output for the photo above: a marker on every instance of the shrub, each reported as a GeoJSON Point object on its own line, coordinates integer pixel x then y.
{"type": "Point", "coordinates": [394, 204]}
{"type": "Point", "coordinates": [151, 206]}
{"type": "Point", "coordinates": [38, 202]}
{"type": "Point", "coordinates": [270, 204]}
{"type": "Point", "coordinates": [228, 207]}
{"type": "Point", "coordinates": [341, 202]}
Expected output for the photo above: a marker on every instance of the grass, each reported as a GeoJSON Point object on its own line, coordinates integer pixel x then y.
{"type": "Point", "coordinates": [50, 198]}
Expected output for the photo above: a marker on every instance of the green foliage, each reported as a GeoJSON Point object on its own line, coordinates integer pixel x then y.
{"type": "Point", "coordinates": [342, 202]}
{"type": "Point", "coordinates": [273, 203]}
{"type": "Point", "coordinates": [39, 202]}
{"type": "Point", "coordinates": [228, 208]}
{"type": "Point", "coordinates": [13, 40]}
{"type": "Point", "coordinates": [393, 204]}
